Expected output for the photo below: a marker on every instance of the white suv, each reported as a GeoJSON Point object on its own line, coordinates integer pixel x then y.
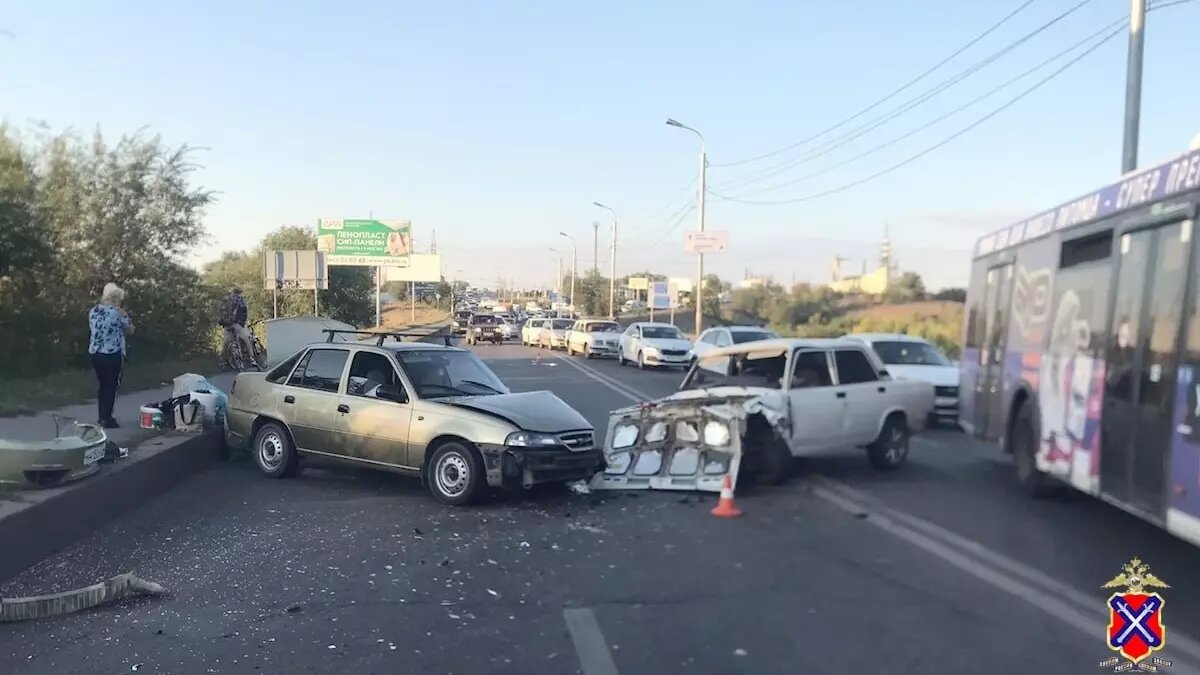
{"type": "Point", "coordinates": [908, 357]}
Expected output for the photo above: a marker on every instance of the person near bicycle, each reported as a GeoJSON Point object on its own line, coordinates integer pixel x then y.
{"type": "Point", "coordinates": [233, 320]}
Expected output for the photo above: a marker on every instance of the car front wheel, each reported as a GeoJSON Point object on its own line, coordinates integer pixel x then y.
{"type": "Point", "coordinates": [890, 449]}
{"type": "Point", "coordinates": [456, 474]}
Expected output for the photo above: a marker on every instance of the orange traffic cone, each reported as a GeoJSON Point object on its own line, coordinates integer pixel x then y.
{"type": "Point", "coordinates": [725, 507]}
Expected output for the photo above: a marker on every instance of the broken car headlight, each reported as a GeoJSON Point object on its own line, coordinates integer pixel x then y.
{"type": "Point", "coordinates": [716, 434]}
{"type": "Point", "coordinates": [530, 439]}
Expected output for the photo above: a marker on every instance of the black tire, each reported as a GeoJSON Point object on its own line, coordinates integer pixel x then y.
{"type": "Point", "coordinates": [774, 462]}
{"type": "Point", "coordinates": [274, 453]}
{"type": "Point", "coordinates": [620, 357]}
{"type": "Point", "coordinates": [1025, 446]}
{"type": "Point", "coordinates": [260, 356]}
{"type": "Point", "coordinates": [641, 360]}
{"type": "Point", "coordinates": [456, 474]}
{"type": "Point", "coordinates": [890, 449]}
{"type": "Point", "coordinates": [234, 356]}
{"type": "Point", "coordinates": [587, 353]}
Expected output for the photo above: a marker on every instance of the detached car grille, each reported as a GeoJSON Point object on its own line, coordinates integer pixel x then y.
{"type": "Point", "coordinates": [577, 441]}
{"type": "Point", "coordinates": [946, 392]}
{"type": "Point", "coordinates": [674, 352]}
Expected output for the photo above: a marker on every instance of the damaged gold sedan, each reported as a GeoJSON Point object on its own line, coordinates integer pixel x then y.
{"type": "Point", "coordinates": [73, 453]}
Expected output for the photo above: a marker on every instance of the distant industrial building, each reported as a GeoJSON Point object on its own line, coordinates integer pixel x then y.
{"type": "Point", "coordinates": [874, 282]}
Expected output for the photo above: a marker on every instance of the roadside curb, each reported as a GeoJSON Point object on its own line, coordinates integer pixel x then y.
{"type": "Point", "coordinates": [35, 524]}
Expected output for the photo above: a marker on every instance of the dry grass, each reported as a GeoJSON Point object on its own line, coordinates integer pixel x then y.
{"type": "Point", "coordinates": [912, 312]}
{"type": "Point", "coordinates": [399, 315]}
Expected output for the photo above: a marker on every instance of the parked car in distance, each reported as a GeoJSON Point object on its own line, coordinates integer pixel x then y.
{"type": "Point", "coordinates": [554, 333]}
{"type": "Point", "coordinates": [484, 328]}
{"type": "Point", "coordinates": [651, 344]}
{"type": "Point", "coordinates": [723, 336]}
{"type": "Point", "coordinates": [462, 318]}
{"type": "Point", "coordinates": [531, 332]}
{"type": "Point", "coordinates": [834, 393]}
{"type": "Point", "coordinates": [433, 412]}
{"type": "Point", "coordinates": [912, 358]}
{"type": "Point", "coordinates": [593, 337]}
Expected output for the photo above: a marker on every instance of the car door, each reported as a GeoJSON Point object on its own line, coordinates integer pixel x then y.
{"type": "Point", "coordinates": [311, 398]}
{"type": "Point", "coordinates": [629, 340]}
{"type": "Point", "coordinates": [818, 408]}
{"type": "Point", "coordinates": [374, 429]}
{"type": "Point", "coordinates": [866, 395]}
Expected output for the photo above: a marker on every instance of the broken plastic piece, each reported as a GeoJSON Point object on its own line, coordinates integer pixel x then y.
{"type": "Point", "coordinates": [57, 604]}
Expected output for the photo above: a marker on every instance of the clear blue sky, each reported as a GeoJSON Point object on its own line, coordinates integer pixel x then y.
{"type": "Point", "coordinates": [498, 124]}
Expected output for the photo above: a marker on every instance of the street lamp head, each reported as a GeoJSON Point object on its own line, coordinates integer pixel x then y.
{"type": "Point", "coordinates": [564, 234]}
{"type": "Point", "coordinates": [673, 122]}
{"type": "Point", "coordinates": [599, 204]}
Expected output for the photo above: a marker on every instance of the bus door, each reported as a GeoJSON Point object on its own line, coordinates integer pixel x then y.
{"type": "Point", "coordinates": [1141, 366]}
{"type": "Point", "coordinates": [989, 388]}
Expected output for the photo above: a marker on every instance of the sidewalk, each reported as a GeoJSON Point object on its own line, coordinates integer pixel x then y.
{"type": "Point", "coordinates": [126, 411]}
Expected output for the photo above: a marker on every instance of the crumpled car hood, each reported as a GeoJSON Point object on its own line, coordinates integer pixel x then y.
{"type": "Point", "coordinates": [531, 411]}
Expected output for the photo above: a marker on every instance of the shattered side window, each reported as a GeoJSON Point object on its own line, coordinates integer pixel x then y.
{"type": "Point", "coordinates": [764, 369]}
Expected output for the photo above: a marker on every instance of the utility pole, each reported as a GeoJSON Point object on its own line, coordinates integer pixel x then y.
{"type": "Point", "coordinates": [612, 274]}
{"type": "Point", "coordinates": [574, 268]}
{"type": "Point", "coordinates": [1133, 84]}
{"type": "Point", "coordinates": [698, 294]}
{"type": "Point", "coordinates": [596, 246]}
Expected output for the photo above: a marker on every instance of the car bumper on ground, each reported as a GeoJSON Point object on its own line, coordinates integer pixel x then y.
{"type": "Point", "coordinates": [518, 467]}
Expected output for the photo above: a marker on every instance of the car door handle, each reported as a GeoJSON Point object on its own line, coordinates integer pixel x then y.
{"type": "Point", "coordinates": [841, 394]}
{"type": "Point", "coordinates": [343, 408]}
{"type": "Point", "coordinates": [882, 390]}
{"type": "Point", "coordinates": [289, 399]}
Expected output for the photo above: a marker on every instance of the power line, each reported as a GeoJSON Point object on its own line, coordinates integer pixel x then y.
{"type": "Point", "coordinates": [926, 151]}
{"type": "Point", "coordinates": [879, 102]}
{"type": "Point", "coordinates": [791, 162]}
{"type": "Point", "coordinates": [1114, 24]}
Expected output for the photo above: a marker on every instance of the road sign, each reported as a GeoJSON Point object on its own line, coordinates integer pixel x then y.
{"type": "Point", "coordinates": [638, 283]}
{"type": "Point", "coordinates": [660, 295]}
{"type": "Point", "coordinates": [367, 242]}
{"type": "Point", "coordinates": [286, 270]}
{"type": "Point", "coordinates": [706, 242]}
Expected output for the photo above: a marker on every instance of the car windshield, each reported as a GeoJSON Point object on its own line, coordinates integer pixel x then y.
{"type": "Point", "coordinates": [602, 327]}
{"type": "Point", "coordinates": [485, 320]}
{"type": "Point", "coordinates": [442, 373]}
{"type": "Point", "coordinates": [662, 332]}
{"type": "Point", "coordinates": [763, 369]}
{"type": "Point", "coordinates": [562, 324]}
{"type": "Point", "coordinates": [740, 336]}
{"type": "Point", "coordinates": [909, 353]}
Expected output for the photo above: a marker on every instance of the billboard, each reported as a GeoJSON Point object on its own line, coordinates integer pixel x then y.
{"type": "Point", "coordinates": [364, 242]}
{"type": "Point", "coordinates": [417, 267]}
{"type": "Point", "coordinates": [706, 242]}
{"type": "Point", "coordinates": [285, 270]}
{"type": "Point", "coordinates": [660, 295]}
{"type": "Point", "coordinates": [638, 283]}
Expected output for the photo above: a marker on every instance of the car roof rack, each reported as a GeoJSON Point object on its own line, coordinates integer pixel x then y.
{"type": "Point", "coordinates": [382, 335]}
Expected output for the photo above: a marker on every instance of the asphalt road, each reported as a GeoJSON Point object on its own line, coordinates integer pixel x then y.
{"type": "Point", "coordinates": [941, 567]}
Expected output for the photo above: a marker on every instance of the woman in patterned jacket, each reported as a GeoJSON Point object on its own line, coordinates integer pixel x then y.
{"type": "Point", "coordinates": [110, 324]}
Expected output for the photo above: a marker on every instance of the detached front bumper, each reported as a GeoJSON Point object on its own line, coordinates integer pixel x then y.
{"type": "Point", "coordinates": [519, 467]}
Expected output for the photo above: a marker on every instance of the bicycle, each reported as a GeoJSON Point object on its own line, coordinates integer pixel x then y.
{"type": "Point", "coordinates": [234, 355]}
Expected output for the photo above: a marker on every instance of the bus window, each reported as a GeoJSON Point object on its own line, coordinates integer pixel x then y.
{"type": "Point", "coordinates": [1087, 249]}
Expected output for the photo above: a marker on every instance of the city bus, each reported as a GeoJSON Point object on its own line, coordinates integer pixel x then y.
{"type": "Point", "coordinates": [1082, 343]}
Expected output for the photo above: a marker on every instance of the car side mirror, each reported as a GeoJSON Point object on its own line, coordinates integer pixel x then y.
{"type": "Point", "coordinates": [390, 392]}
{"type": "Point", "coordinates": [883, 372]}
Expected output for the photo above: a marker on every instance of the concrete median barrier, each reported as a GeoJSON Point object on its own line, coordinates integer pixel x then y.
{"type": "Point", "coordinates": [36, 523]}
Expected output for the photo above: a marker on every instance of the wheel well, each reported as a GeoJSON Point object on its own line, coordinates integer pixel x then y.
{"type": "Point", "coordinates": [1014, 411]}
{"type": "Point", "coordinates": [436, 443]}
{"type": "Point", "coordinates": [258, 424]}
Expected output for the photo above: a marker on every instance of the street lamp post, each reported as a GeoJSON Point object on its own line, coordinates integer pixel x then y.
{"type": "Point", "coordinates": [698, 295]}
{"type": "Point", "coordinates": [612, 274]}
{"type": "Point", "coordinates": [574, 257]}
{"type": "Point", "coordinates": [557, 279]}
{"type": "Point", "coordinates": [596, 246]}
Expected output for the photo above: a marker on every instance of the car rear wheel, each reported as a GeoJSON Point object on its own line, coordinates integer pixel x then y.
{"type": "Point", "coordinates": [456, 474]}
{"type": "Point", "coordinates": [890, 449]}
{"type": "Point", "coordinates": [274, 453]}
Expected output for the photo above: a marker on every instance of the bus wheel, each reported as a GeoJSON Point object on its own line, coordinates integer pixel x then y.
{"type": "Point", "coordinates": [1025, 446]}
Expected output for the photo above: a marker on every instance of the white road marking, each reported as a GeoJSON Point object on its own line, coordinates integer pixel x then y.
{"type": "Point", "coordinates": [617, 386]}
{"type": "Point", "coordinates": [594, 656]}
{"type": "Point", "coordinates": [1060, 601]}
{"type": "Point", "coordinates": [1056, 599]}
